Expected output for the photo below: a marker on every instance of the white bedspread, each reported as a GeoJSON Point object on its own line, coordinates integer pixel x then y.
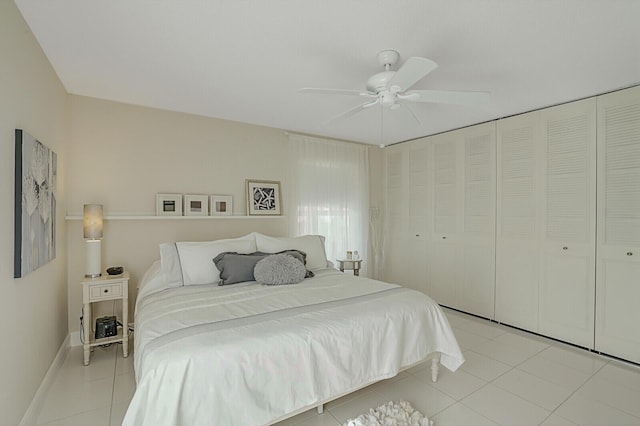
{"type": "Point", "coordinates": [249, 354]}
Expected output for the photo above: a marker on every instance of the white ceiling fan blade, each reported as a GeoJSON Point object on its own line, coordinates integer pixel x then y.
{"type": "Point", "coordinates": [413, 70]}
{"type": "Point", "coordinates": [352, 111]}
{"type": "Point", "coordinates": [319, 91]}
{"type": "Point", "coordinates": [447, 97]}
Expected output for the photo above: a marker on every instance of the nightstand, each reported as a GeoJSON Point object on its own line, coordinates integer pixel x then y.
{"type": "Point", "coordinates": [106, 287]}
{"type": "Point", "coordinates": [354, 264]}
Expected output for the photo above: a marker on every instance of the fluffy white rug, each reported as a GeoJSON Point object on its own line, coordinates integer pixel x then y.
{"type": "Point", "coordinates": [391, 414]}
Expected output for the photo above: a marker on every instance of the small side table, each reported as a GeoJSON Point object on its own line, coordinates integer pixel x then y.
{"type": "Point", "coordinates": [105, 287]}
{"type": "Point", "coordinates": [354, 264]}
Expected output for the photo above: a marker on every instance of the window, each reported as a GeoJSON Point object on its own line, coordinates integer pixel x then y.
{"type": "Point", "coordinates": [330, 193]}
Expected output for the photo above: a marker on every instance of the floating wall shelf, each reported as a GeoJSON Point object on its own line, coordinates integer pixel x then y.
{"type": "Point", "coordinates": [153, 217]}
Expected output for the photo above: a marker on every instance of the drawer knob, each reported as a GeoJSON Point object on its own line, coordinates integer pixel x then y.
{"type": "Point", "coordinates": [565, 248]}
{"type": "Point", "coordinates": [106, 290]}
{"type": "Point", "coordinates": [629, 253]}
{"type": "Point", "coordinates": [444, 238]}
{"type": "Point", "coordinates": [417, 235]}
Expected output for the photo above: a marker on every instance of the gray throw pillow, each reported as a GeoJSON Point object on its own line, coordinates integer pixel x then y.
{"type": "Point", "coordinates": [301, 256]}
{"type": "Point", "coordinates": [279, 269]}
{"type": "Point", "coordinates": [236, 268]}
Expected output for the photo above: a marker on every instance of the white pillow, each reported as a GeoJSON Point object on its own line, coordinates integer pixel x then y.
{"type": "Point", "coordinates": [312, 245]}
{"type": "Point", "coordinates": [170, 265]}
{"type": "Point", "coordinates": [196, 258]}
{"type": "Point", "coordinates": [151, 282]}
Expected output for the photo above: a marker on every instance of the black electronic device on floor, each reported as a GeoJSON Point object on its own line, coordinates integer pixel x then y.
{"type": "Point", "coordinates": [106, 327]}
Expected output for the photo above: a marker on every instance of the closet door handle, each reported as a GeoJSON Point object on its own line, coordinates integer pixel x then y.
{"type": "Point", "coordinates": [629, 253]}
{"type": "Point", "coordinates": [565, 248]}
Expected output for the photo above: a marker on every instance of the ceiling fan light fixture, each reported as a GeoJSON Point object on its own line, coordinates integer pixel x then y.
{"type": "Point", "coordinates": [387, 99]}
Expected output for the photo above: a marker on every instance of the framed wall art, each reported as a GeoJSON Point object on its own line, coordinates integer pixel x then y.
{"type": "Point", "coordinates": [221, 205]}
{"type": "Point", "coordinates": [36, 174]}
{"type": "Point", "coordinates": [196, 205]}
{"type": "Point", "coordinates": [169, 205]}
{"type": "Point", "coordinates": [263, 198]}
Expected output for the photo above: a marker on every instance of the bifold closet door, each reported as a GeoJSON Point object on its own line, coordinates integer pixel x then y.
{"type": "Point", "coordinates": [618, 251]}
{"type": "Point", "coordinates": [462, 248]}
{"type": "Point", "coordinates": [408, 210]}
{"type": "Point", "coordinates": [518, 228]}
{"type": "Point", "coordinates": [419, 213]}
{"type": "Point", "coordinates": [476, 288]}
{"type": "Point", "coordinates": [444, 248]}
{"type": "Point", "coordinates": [397, 215]}
{"type": "Point", "coordinates": [567, 258]}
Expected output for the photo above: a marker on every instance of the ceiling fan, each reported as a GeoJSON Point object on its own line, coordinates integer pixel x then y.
{"type": "Point", "coordinates": [390, 89]}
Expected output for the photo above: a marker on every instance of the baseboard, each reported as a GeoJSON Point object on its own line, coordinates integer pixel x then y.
{"type": "Point", "coordinates": [31, 415]}
{"type": "Point", "coordinates": [75, 339]}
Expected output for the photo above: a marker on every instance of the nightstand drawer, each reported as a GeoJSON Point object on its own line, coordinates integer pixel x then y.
{"type": "Point", "coordinates": [105, 291]}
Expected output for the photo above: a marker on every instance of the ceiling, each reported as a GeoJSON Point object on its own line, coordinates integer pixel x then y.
{"type": "Point", "coordinates": [244, 60]}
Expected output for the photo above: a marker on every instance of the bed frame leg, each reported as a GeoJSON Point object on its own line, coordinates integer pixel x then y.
{"type": "Point", "coordinates": [435, 366]}
{"type": "Point", "coordinates": [320, 408]}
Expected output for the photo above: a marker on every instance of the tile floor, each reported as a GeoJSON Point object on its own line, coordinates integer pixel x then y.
{"type": "Point", "coordinates": [509, 378]}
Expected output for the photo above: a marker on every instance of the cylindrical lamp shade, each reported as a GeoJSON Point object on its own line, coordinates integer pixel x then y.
{"type": "Point", "coordinates": [92, 221]}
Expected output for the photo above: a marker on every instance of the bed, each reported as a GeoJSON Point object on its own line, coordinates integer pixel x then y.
{"type": "Point", "coordinates": [255, 354]}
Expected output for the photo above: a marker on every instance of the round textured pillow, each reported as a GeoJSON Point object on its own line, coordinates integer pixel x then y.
{"type": "Point", "coordinates": [279, 269]}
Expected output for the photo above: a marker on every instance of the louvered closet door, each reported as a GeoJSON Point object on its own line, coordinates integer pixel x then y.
{"type": "Point", "coordinates": [444, 260]}
{"type": "Point", "coordinates": [475, 293]}
{"type": "Point", "coordinates": [517, 259]}
{"type": "Point", "coordinates": [419, 213]}
{"type": "Point", "coordinates": [567, 264]}
{"type": "Point", "coordinates": [396, 251]}
{"type": "Point", "coordinates": [618, 253]}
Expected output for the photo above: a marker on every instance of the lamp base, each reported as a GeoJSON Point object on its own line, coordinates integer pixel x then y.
{"type": "Point", "coordinates": [94, 268]}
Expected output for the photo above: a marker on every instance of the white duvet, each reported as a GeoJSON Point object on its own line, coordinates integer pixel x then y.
{"type": "Point", "coordinates": [249, 354]}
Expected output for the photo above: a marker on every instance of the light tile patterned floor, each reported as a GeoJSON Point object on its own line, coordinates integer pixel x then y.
{"type": "Point", "coordinates": [510, 378]}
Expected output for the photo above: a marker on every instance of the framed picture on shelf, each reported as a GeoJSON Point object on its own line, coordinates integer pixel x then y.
{"type": "Point", "coordinates": [168, 204]}
{"type": "Point", "coordinates": [196, 205]}
{"type": "Point", "coordinates": [221, 205]}
{"type": "Point", "coordinates": [263, 198]}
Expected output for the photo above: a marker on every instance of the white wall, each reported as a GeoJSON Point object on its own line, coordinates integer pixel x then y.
{"type": "Point", "coordinates": [122, 155]}
{"type": "Point", "coordinates": [33, 309]}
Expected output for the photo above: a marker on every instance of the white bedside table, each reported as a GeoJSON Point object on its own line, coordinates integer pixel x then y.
{"type": "Point", "coordinates": [106, 287]}
{"type": "Point", "coordinates": [354, 264]}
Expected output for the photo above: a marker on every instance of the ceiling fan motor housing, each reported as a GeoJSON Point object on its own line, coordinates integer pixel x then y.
{"type": "Point", "coordinates": [387, 58]}
{"type": "Point", "coordinates": [378, 82]}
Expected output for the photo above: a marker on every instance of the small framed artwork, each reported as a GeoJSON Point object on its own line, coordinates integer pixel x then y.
{"type": "Point", "coordinates": [263, 198]}
{"type": "Point", "coordinates": [169, 205]}
{"type": "Point", "coordinates": [221, 205]}
{"type": "Point", "coordinates": [196, 205]}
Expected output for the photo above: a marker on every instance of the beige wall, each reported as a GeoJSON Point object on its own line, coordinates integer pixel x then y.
{"type": "Point", "coordinates": [122, 155]}
{"type": "Point", "coordinates": [33, 309]}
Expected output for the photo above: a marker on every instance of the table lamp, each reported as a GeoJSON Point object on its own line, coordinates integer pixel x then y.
{"type": "Point", "coordinates": [92, 230]}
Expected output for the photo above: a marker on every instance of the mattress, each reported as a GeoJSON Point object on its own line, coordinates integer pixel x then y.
{"type": "Point", "coordinates": [249, 354]}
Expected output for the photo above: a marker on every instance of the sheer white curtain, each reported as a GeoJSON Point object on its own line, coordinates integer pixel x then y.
{"type": "Point", "coordinates": [330, 193]}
